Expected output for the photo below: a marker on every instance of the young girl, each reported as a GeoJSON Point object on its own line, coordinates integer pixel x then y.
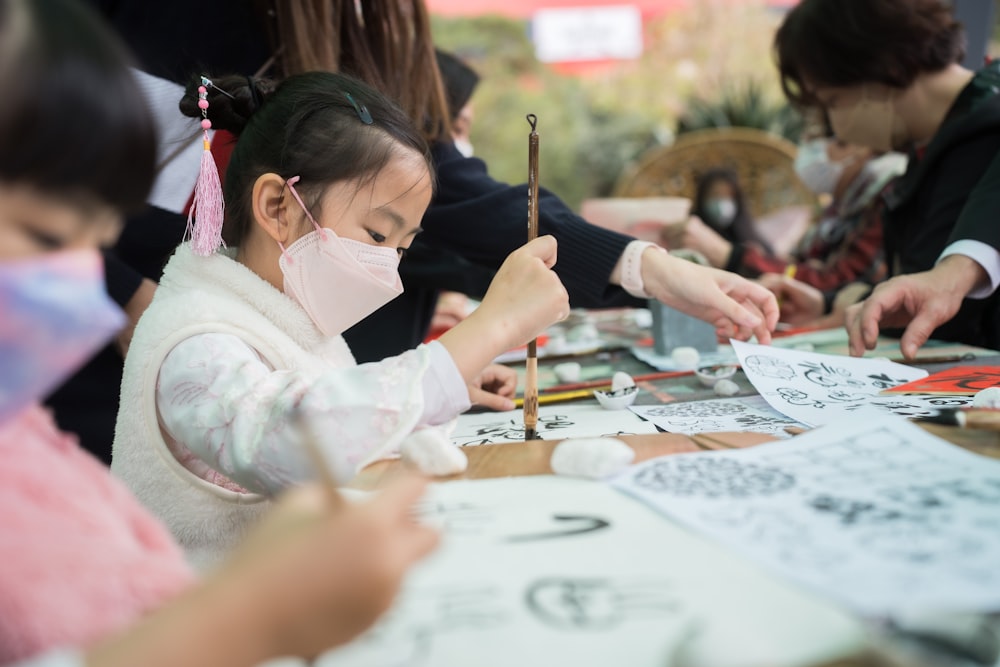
{"type": "Point", "coordinates": [325, 190]}
{"type": "Point", "coordinates": [82, 560]}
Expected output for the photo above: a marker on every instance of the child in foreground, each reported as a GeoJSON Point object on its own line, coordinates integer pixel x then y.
{"type": "Point", "coordinates": [84, 564]}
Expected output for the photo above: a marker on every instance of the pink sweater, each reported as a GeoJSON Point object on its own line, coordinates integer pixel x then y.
{"type": "Point", "coordinates": [79, 557]}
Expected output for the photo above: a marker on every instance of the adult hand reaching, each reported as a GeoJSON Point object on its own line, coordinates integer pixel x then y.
{"type": "Point", "coordinates": [919, 301]}
{"type": "Point", "coordinates": [736, 306]}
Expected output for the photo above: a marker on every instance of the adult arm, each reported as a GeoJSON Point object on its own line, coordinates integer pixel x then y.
{"type": "Point", "coordinates": [924, 295]}
{"type": "Point", "coordinates": [130, 290]}
{"type": "Point", "coordinates": [485, 220]}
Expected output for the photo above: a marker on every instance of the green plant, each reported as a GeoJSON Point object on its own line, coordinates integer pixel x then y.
{"type": "Point", "coordinates": [742, 105]}
{"type": "Point", "coordinates": [593, 125]}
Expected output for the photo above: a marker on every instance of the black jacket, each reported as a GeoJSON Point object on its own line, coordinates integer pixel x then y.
{"type": "Point", "coordinates": [951, 192]}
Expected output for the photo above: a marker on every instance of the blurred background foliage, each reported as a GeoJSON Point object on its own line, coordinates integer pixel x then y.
{"type": "Point", "coordinates": [743, 104]}
{"type": "Point", "coordinates": [704, 66]}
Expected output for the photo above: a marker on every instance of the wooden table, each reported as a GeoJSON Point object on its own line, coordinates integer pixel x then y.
{"type": "Point", "coordinates": [532, 457]}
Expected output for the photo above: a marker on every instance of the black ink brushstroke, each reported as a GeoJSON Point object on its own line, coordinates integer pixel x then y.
{"type": "Point", "coordinates": [593, 524]}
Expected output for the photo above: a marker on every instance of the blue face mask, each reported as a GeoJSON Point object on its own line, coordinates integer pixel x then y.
{"type": "Point", "coordinates": [55, 315]}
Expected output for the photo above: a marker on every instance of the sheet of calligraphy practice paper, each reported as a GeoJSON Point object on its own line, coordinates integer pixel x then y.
{"type": "Point", "coordinates": [555, 422]}
{"type": "Point", "coordinates": [748, 413]}
{"type": "Point", "coordinates": [541, 571]}
{"type": "Point", "coordinates": [877, 514]}
{"type": "Point", "coordinates": [816, 388]}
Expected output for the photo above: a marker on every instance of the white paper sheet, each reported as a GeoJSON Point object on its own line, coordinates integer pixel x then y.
{"type": "Point", "coordinates": [725, 354]}
{"type": "Point", "coordinates": [877, 514]}
{"type": "Point", "coordinates": [545, 571]}
{"type": "Point", "coordinates": [816, 388]}
{"type": "Point", "coordinates": [748, 413]}
{"type": "Point", "coordinates": [555, 422]}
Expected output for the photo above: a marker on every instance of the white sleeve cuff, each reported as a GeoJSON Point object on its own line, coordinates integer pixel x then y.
{"type": "Point", "coordinates": [445, 393]}
{"type": "Point", "coordinates": [983, 254]}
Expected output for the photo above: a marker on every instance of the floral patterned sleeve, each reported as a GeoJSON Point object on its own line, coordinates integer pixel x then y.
{"type": "Point", "coordinates": [217, 398]}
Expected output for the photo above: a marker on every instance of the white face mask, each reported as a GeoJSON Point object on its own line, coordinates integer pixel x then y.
{"type": "Point", "coordinates": [721, 211]}
{"type": "Point", "coordinates": [815, 169]}
{"type": "Point", "coordinates": [464, 146]}
{"type": "Point", "coordinates": [338, 281]}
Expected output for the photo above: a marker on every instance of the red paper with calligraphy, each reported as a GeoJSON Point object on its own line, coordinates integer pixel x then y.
{"type": "Point", "coordinates": [957, 381]}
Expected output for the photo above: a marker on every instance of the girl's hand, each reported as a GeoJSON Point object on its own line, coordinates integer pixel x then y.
{"type": "Point", "coordinates": [494, 388]}
{"type": "Point", "coordinates": [526, 296]}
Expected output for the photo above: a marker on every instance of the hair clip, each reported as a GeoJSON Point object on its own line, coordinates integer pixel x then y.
{"type": "Point", "coordinates": [207, 83]}
{"type": "Point", "coordinates": [362, 110]}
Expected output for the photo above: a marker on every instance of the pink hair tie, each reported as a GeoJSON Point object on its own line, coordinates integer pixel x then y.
{"type": "Point", "coordinates": [208, 206]}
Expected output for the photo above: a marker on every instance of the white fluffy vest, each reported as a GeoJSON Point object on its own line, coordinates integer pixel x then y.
{"type": "Point", "coordinates": [199, 295]}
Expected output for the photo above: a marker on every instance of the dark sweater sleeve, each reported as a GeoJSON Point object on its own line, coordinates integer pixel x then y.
{"type": "Point", "coordinates": [484, 220]}
{"type": "Point", "coordinates": [956, 211]}
{"type": "Point", "coordinates": [978, 219]}
{"type": "Point", "coordinates": [120, 279]}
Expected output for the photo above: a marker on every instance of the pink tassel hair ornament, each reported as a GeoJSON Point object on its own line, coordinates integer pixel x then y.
{"type": "Point", "coordinates": [208, 206]}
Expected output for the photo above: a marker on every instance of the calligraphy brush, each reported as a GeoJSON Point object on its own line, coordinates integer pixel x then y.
{"type": "Point", "coordinates": [531, 369]}
{"type": "Point", "coordinates": [981, 418]}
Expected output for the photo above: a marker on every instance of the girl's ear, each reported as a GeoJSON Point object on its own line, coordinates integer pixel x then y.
{"type": "Point", "coordinates": [269, 205]}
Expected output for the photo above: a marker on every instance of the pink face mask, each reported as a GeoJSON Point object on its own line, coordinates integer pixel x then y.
{"type": "Point", "coordinates": [56, 314]}
{"type": "Point", "coordinates": [338, 282]}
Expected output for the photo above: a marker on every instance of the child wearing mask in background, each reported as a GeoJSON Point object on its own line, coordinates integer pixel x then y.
{"type": "Point", "coordinates": [721, 211]}
{"type": "Point", "coordinates": [845, 244]}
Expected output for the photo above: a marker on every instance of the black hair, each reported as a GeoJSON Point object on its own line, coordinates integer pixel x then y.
{"type": "Point", "coordinates": [320, 126]}
{"type": "Point", "coordinates": [74, 123]}
{"type": "Point", "coordinates": [742, 229]}
{"type": "Point", "coordinates": [459, 80]}
{"type": "Point", "coordinates": [852, 42]}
